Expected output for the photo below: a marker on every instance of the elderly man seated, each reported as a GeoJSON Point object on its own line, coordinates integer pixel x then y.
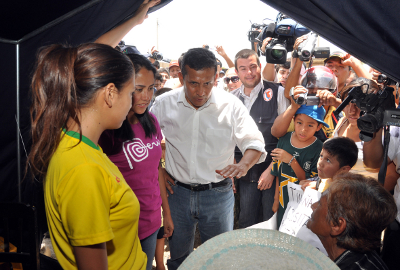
{"type": "Point", "coordinates": [349, 219]}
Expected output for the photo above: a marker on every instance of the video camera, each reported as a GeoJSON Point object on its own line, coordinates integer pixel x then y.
{"type": "Point", "coordinates": [284, 32]}
{"type": "Point", "coordinates": [382, 78]}
{"type": "Point", "coordinates": [255, 31]}
{"type": "Point", "coordinates": [372, 106]}
{"type": "Point", "coordinates": [304, 99]}
{"type": "Point", "coordinates": [157, 56]}
{"type": "Point", "coordinates": [307, 49]}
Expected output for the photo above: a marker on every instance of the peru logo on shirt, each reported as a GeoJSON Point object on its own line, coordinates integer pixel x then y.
{"type": "Point", "coordinates": [138, 151]}
{"type": "Point", "coordinates": [117, 179]}
{"type": "Point", "coordinates": [268, 94]}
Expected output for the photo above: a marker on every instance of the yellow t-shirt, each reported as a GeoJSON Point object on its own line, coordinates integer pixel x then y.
{"type": "Point", "coordinates": [88, 202]}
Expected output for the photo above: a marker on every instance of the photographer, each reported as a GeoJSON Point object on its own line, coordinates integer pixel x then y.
{"type": "Point", "coordinates": [327, 97]}
{"type": "Point", "coordinates": [341, 64]}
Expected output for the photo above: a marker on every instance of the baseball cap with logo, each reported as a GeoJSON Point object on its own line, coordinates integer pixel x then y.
{"type": "Point", "coordinates": [337, 54]}
{"type": "Point", "coordinates": [315, 112]}
{"type": "Point", "coordinates": [174, 63]}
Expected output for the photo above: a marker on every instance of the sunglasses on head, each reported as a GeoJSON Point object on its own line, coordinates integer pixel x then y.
{"type": "Point", "coordinates": [234, 79]}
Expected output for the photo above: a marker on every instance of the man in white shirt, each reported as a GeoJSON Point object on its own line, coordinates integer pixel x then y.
{"type": "Point", "coordinates": [202, 126]}
{"type": "Point", "coordinates": [264, 101]}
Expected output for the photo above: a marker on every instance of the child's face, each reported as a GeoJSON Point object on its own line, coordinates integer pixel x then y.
{"type": "Point", "coordinates": [327, 165]}
{"type": "Point", "coordinates": [305, 127]}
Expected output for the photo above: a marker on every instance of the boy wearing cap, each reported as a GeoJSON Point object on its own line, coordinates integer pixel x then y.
{"type": "Point", "coordinates": [318, 81]}
{"type": "Point", "coordinates": [297, 153]}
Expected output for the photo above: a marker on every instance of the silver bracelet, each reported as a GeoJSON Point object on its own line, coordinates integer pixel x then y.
{"type": "Point", "coordinates": [290, 162]}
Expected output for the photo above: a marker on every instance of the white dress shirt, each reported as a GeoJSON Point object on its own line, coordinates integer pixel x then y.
{"type": "Point", "coordinates": [283, 102]}
{"type": "Point", "coordinates": [198, 142]}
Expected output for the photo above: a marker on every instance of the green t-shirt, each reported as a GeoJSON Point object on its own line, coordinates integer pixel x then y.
{"type": "Point", "coordinates": [307, 157]}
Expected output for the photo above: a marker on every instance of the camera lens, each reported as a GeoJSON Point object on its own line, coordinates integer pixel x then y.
{"type": "Point", "coordinates": [277, 54]}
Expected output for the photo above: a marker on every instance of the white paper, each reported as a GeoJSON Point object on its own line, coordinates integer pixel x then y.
{"type": "Point", "coordinates": [297, 214]}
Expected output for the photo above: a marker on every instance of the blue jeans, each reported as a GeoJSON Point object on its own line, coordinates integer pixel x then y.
{"type": "Point", "coordinates": [149, 247]}
{"type": "Point", "coordinates": [255, 204]}
{"type": "Point", "coordinates": [211, 209]}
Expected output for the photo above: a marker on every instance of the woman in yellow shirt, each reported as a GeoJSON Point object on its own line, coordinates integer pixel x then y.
{"type": "Point", "coordinates": [92, 214]}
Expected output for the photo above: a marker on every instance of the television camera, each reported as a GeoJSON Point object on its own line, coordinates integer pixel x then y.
{"type": "Point", "coordinates": [284, 32]}
{"type": "Point", "coordinates": [372, 106]}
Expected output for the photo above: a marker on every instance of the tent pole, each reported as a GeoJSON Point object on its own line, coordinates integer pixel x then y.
{"type": "Point", "coordinates": [17, 120]}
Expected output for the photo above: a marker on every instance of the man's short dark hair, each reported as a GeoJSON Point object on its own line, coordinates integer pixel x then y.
{"type": "Point", "coordinates": [198, 59]}
{"type": "Point", "coordinates": [365, 205]}
{"type": "Point", "coordinates": [180, 60]}
{"type": "Point", "coordinates": [286, 65]}
{"type": "Point", "coordinates": [245, 54]}
{"type": "Point", "coordinates": [343, 149]}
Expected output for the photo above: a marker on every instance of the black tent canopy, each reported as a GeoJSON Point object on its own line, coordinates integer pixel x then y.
{"type": "Point", "coordinates": [27, 26]}
{"type": "Point", "coordinates": [365, 28]}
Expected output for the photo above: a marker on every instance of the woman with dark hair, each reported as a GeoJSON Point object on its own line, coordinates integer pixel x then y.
{"type": "Point", "coordinates": [136, 150]}
{"type": "Point", "coordinates": [349, 219]}
{"type": "Point", "coordinates": [91, 211]}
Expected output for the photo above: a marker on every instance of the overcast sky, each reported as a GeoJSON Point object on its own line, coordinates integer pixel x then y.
{"type": "Point", "coordinates": [185, 24]}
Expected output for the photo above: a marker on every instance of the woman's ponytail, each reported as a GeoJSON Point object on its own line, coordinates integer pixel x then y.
{"type": "Point", "coordinates": [65, 80]}
{"type": "Point", "coordinates": [54, 100]}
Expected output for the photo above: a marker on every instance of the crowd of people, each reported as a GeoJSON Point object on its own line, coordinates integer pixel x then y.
{"type": "Point", "coordinates": [120, 142]}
